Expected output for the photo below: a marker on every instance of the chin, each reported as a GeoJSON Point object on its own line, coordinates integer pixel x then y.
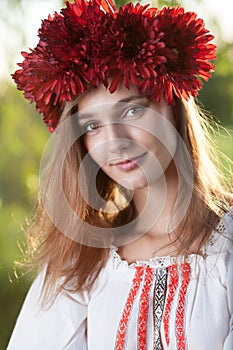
{"type": "Point", "coordinates": [133, 184]}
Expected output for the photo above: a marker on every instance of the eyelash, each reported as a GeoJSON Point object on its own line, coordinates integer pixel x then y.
{"type": "Point", "coordinates": [93, 122]}
{"type": "Point", "coordinates": [139, 111]}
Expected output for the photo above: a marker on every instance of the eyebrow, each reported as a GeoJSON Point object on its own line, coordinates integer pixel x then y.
{"type": "Point", "coordinates": [124, 100]}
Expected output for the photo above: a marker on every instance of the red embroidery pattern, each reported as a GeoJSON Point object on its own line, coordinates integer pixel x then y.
{"type": "Point", "coordinates": [144, 304]}
{"type": "Point", "coordinates": [185, 273]}
{"type": "Point", "coordinates": [173, 284]}
{"type": "Point", "coordinates": [121, 334]}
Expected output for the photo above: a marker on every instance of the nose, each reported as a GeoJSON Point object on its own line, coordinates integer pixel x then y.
{"type": "Point", "coordinates": [117, 137]}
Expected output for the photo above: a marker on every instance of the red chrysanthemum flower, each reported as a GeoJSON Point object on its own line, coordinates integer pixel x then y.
{"type": "Point", "coordinates": [95, 24]}
{"type": "Point", "coordinates": [161, 52]}
{"type": "Point", "coordinates": [66, 59]}
{"type": "Point", "coordinates": [188, 52]}
{"type": "Point", "coordinates": [135, 44]}
{"type": "Point", "coordinates": [47, 75]}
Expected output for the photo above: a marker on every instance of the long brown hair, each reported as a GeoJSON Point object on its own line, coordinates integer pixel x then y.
{"type": "Point", "coordinates": [77, 265]}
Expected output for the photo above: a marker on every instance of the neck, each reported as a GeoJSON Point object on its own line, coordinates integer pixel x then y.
{"type": "Point", "coordinates": [155, 205]}
{"type": "Point", "coordinates": [157, 202]}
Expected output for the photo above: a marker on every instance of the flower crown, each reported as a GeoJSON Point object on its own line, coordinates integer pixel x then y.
{"type": "Point", "coordinates": [162, 52]}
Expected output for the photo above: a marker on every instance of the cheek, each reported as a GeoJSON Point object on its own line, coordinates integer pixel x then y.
{"type": "Point", "coordinates": [161, 142]}
{"type": "Point", "coordinates": [95, 149]}
{"type": "Point", "coordinates": [87, 143]}
{"type": "Point", "coordinates": [163, 135]}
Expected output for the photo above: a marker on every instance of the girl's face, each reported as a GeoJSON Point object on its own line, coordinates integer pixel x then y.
{"type": "Point", "coordinates": [130, 138]}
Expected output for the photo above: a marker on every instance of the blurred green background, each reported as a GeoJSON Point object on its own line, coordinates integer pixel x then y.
{"type": "Point", "coordinates": [23, 137]}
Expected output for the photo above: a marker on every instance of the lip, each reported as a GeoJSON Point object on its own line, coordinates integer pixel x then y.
{"type": "Point", "coordinates": [129, 164]}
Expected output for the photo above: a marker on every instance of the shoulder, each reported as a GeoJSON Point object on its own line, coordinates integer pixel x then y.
{"type": "Point", "coordinates": [224, 231]}
{"type": "Point", "coordinates": [225, 225]}
{"type": "Point", "coordinates": [221, 239]}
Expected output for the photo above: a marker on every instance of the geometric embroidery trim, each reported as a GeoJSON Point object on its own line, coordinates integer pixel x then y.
{"type": "Point", "coordinates": [166, 282]}
{"type": "Point", "coordinates": [172, 287]}
{"type": "Point", "coordinates": [122, 329]}
{"type": "Point", "coordinates": [144, 306]}
{"type": "Point", "coordinates": [180, 312]}
{"type": "Point", "coordinates": [158, 305]}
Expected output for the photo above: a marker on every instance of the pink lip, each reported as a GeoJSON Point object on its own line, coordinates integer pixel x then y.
{"type": "Point", "coordinates": [129, 164]}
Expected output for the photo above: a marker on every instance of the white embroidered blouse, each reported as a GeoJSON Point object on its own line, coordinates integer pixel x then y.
{"type": "Point", "coordinates": [161, 304]}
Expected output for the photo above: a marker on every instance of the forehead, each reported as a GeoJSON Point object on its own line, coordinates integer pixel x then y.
{"type": "Point", "coordinates": [101, 95]}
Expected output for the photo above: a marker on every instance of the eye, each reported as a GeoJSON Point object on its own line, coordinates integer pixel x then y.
{"type": "Point", "coordinates": [92, 126]}
{"type": "Point", "coordinates": [134, 111]}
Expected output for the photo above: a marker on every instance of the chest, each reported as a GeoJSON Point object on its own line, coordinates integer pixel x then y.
{"type": "Point", "coordinates": [155, 309]}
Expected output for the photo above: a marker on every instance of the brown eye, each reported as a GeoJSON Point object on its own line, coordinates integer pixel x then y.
{"type": "Point", "coordinates": [92, 126]}
{"type": "Point", "coordinates": [134, 111]}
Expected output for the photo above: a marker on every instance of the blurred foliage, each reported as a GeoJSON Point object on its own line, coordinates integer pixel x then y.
{"type": "Point", "coordinates": [22, 139]}
{"type": "Point", "coordinates": [217, 93]}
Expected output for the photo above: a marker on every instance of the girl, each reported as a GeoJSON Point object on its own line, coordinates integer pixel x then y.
{"type": "Point", "coordinates": [133, 237]}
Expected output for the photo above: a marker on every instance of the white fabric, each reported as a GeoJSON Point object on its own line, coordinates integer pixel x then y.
{"type": "Point", "coordinates": [91, 321]}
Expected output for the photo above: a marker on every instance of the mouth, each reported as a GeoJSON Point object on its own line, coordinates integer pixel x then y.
{"type": "Point", "coordinates": [129, 164]}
